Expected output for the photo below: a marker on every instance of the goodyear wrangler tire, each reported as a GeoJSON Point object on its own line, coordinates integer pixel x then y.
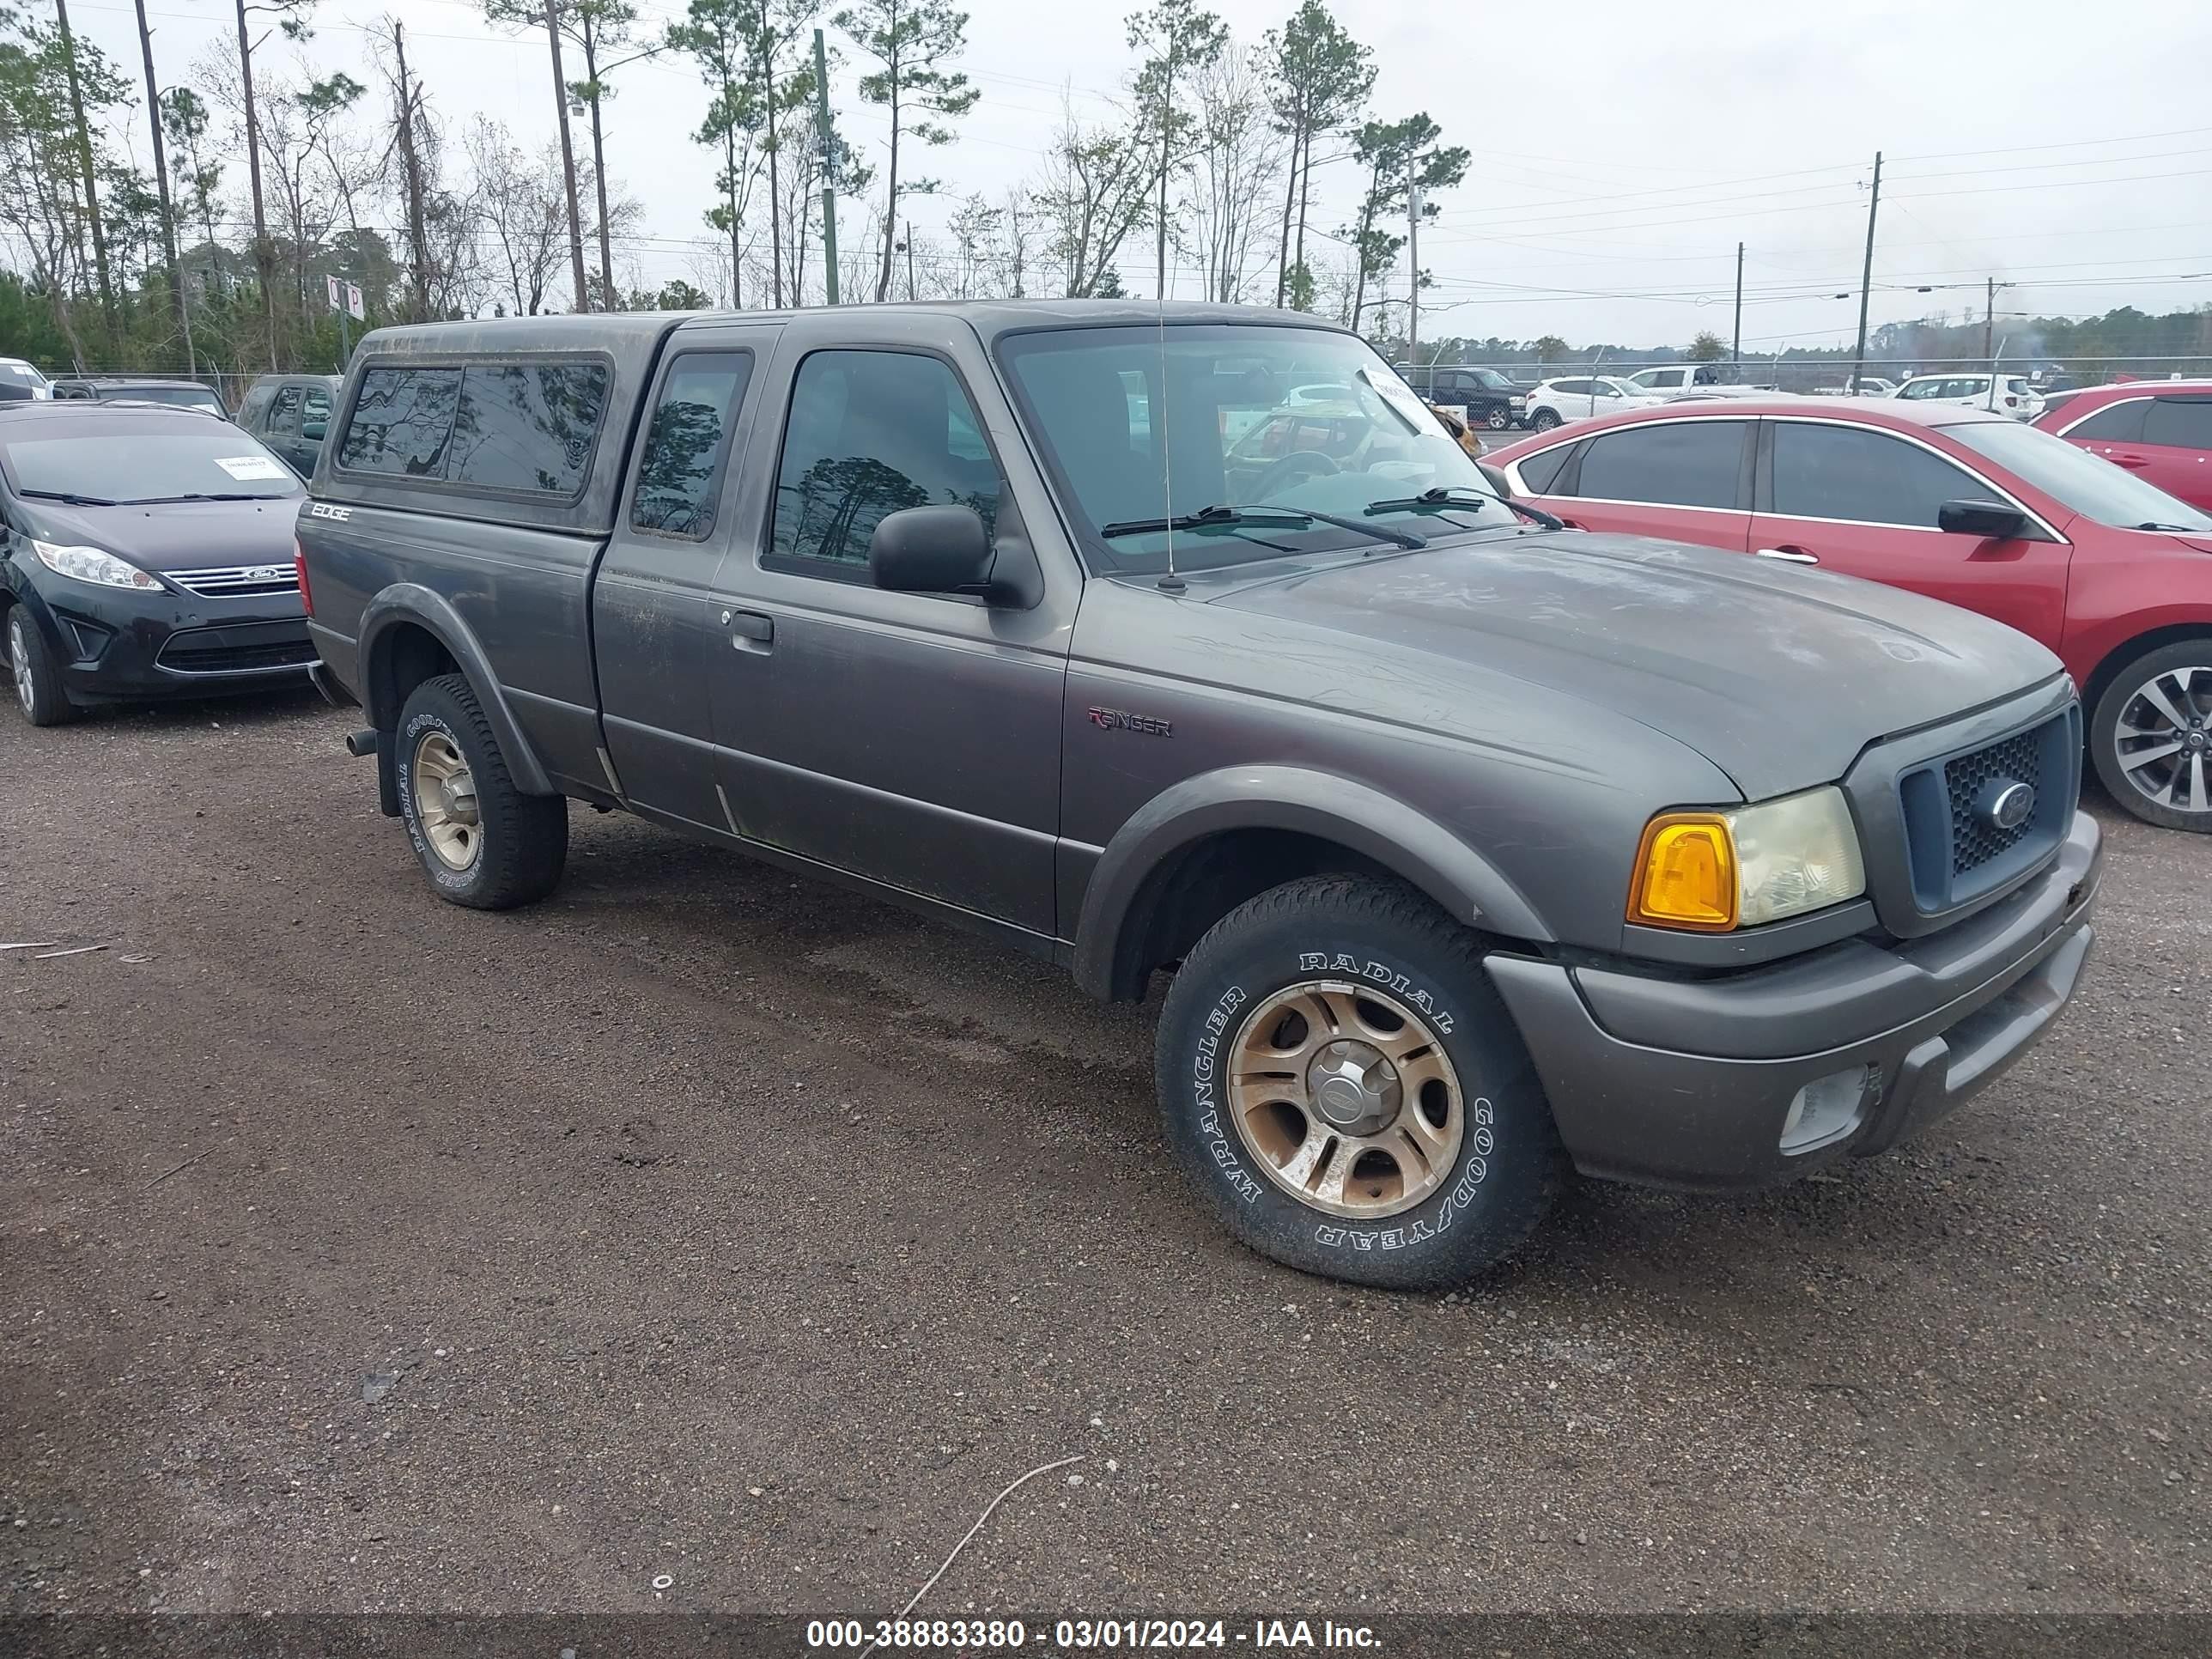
{"type": "Point", "coordinates": [483, 843]}
{"type": "Point", "coordinates": [1347, 1091]}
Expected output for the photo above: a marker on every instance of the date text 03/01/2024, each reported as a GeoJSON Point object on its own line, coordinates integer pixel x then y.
{"type": "Point", "coordinates": [1107, 1635]}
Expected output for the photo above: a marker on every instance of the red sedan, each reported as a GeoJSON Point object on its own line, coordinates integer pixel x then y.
{"type": "Point", "coordinates": [2113, 573]}
{"type": "Point", "coordinates": [2160, 430]}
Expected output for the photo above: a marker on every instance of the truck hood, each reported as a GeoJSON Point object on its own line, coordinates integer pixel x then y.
{"type": "Point", "coordinates": [174, 535]}
{"type": "Point", "coordinates": [1779, 675]}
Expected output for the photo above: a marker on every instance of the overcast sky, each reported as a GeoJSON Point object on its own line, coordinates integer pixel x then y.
{"type": "Point", "coordinates": [1621, 149]}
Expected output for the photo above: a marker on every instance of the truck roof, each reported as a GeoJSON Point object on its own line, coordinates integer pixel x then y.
{"type": "Point", "coordinates": [604, 331]}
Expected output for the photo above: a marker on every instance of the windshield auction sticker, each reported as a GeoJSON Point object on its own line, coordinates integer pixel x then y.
{"type": "Point", "coordinates": [1405, 403]}
{"type": "Point", "coordinates": [247, 468]}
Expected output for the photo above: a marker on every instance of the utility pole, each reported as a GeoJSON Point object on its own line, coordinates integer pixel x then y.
{"type": "Point", "coordinates": [909, 260]}
{"type": "Point", "coordinates": [1866, 277]}
{"type": "Point", "coordinates": [1413, 285]}
{"type": "Point", "coordinates": [1736, 345]}
{"type": "Point", "coordinates": [568, 160]}
{"type": "Point", "coordinates": [162, 181]}
{"type": "Point", "coordinates": [84, 154]}
{"type": "Point", "coordinates": [829, 168]}
{"type": "Point", "coordinates": [264, 257]}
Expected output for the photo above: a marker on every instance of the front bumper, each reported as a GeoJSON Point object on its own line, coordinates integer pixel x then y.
{"type": "Point", "coordinates": [118, 645]}
{"type": "Point", "coordinates": [1689, 1083]}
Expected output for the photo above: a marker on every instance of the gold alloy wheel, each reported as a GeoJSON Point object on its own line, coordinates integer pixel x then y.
{"type": "Point", "coordinates": [1345, 1097]}
{"type": "Point", "coordinates": [446, 801]}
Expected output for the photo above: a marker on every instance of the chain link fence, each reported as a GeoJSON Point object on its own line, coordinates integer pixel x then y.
{"type": "Point", "coordinates": [1800, 375]}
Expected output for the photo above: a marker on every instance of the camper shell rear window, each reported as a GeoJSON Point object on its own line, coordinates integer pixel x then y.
{"type": "Point", "coordinates": [514, 428]}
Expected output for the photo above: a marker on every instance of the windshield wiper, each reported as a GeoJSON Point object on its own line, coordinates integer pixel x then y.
{"type": "Point", "coordinates": [197, 496]}
{"type": "Point", "coordinates": [70, 498]}
{"type": "Point", "coordinates": [1463, 495]}
{"type": "Point", "coordinates": [1224, 516]}
{"type": "Point", "coordinates": [2177, 529]}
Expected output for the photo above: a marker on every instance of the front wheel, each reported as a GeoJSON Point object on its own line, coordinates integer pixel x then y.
{"type": "Point", "coordinates": [1544, 419]}
{"type": "Point", "coordinates": [1498, 419]}
{"type": "Point", "coordinates": [1347, 1093]}
{"type": "Point", "coordinates": [483, 843]}
{"type": "Point", "coordinates": [39, 691]}
{"type": "Point", "coordinates": [2150, 737]}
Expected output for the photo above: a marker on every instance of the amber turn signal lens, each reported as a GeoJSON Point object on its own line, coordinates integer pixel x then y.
{"type": "Point", "coordinates": [1686, 874]}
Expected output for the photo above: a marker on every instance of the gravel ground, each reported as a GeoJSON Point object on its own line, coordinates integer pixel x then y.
{"type": "Point", "coordinates": [358, 1252]}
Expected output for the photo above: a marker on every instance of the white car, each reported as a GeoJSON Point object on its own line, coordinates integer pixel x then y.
{"type": "Point", "coordinates": [16, 372]}
{"type": "Point", "coordinates": [1869, 385]}
{"type": "Point", "coordinates": [1673, 381]}
{"type": "Point", "coordinates": [1556, 402]}
{"type": "Point", "coordinates": [2011, 394]}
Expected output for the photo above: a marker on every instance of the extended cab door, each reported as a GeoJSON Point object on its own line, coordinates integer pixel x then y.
{"type": "Point", "coordinates": [655, 640]}
{"type": "Point", "coordinates": [910, 738]}
{"type": "Point", "coordinates": [1864, 502]}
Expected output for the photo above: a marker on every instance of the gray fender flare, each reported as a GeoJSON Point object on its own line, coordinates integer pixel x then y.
{"type": "Point", "coordinates": [411, 602]}
{"type": "Point", "coordinates": [1319, 804]}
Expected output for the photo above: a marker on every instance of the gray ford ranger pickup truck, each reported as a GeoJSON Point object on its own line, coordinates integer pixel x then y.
{"type": "Point", "coordinates": [1184, 640]}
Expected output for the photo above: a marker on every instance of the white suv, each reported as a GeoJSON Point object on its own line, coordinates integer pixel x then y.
{"type": "Point", "coordinates": [1556, 402]}
{"type": "Point", "coordinates": [2011, 395]}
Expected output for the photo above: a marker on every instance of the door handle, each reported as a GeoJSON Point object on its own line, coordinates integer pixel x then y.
{"type": "Point", "coordinates": [749, 628]}
{"type": "Point", "coordinates": [2131, 462]}
{"type": "Point", "coordinates": [1788, 555]}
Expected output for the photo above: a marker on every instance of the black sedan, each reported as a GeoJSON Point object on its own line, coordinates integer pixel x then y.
{"type": "Point", "coordinates": [149, 554]}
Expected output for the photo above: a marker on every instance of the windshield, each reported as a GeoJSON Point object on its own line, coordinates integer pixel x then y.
{"type": "Point", "coordinates": [23, 374]}
{"type": "Point", "coordinates": [2089, 483]}
{"type": "Point", "coordinates": [1139, 424]}
{"type": "Point", "coordinates": [147, 460]}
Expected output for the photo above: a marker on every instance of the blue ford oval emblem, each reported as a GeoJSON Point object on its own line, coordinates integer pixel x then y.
{"type": "Point", "coordinates": [2007, 805]}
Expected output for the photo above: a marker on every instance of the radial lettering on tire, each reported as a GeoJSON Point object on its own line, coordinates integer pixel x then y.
{"type": "Point", "coordinates": [1343, 1095]}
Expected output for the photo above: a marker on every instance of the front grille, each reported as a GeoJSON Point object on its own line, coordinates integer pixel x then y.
{"type": "Point", "coordinates": [237, 650]}
{"type": "Point", "coordinates": [1974, 840]}
{"type": "Point", "coordinates": [1956, 852]}
{"type": "Point", "coordinates": [238, 580]}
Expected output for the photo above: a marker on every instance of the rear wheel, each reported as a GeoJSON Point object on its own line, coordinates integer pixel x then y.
{"type": "Point", "coordinates": [1544, 419]}
{"type": "Point", "coordinates": [1346, 1090]}
{"type": "Point", "coordinates": [38, 677]}
{"type": "Point", "coordinates": [483, 843]}
{"type": "Point", "coordinates": [2150, 737]}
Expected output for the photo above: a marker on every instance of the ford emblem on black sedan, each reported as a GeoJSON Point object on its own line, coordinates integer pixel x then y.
{"type": "Point", "coordinates": [2009, 805]}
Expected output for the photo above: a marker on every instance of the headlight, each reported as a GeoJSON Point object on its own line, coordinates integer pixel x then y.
{"type": "Point", "coordinates": [89, 564]}
{"type": "Point", "coordinates": [1713, 872]}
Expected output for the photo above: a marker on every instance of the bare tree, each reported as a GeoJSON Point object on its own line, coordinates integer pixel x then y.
{"type": "Point", "coordinates": [520, 212]}
{"type": "Point", "coordinates": [1240, 155]}
{"type": "Point", "coordinates": [296, 121]}
{"type": "Point", "coordinates": [973, 227]}
{"type": "Point", "coordinates": [1094, 193]}
{"type": "Point", "coordinates": [1013, 250]}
